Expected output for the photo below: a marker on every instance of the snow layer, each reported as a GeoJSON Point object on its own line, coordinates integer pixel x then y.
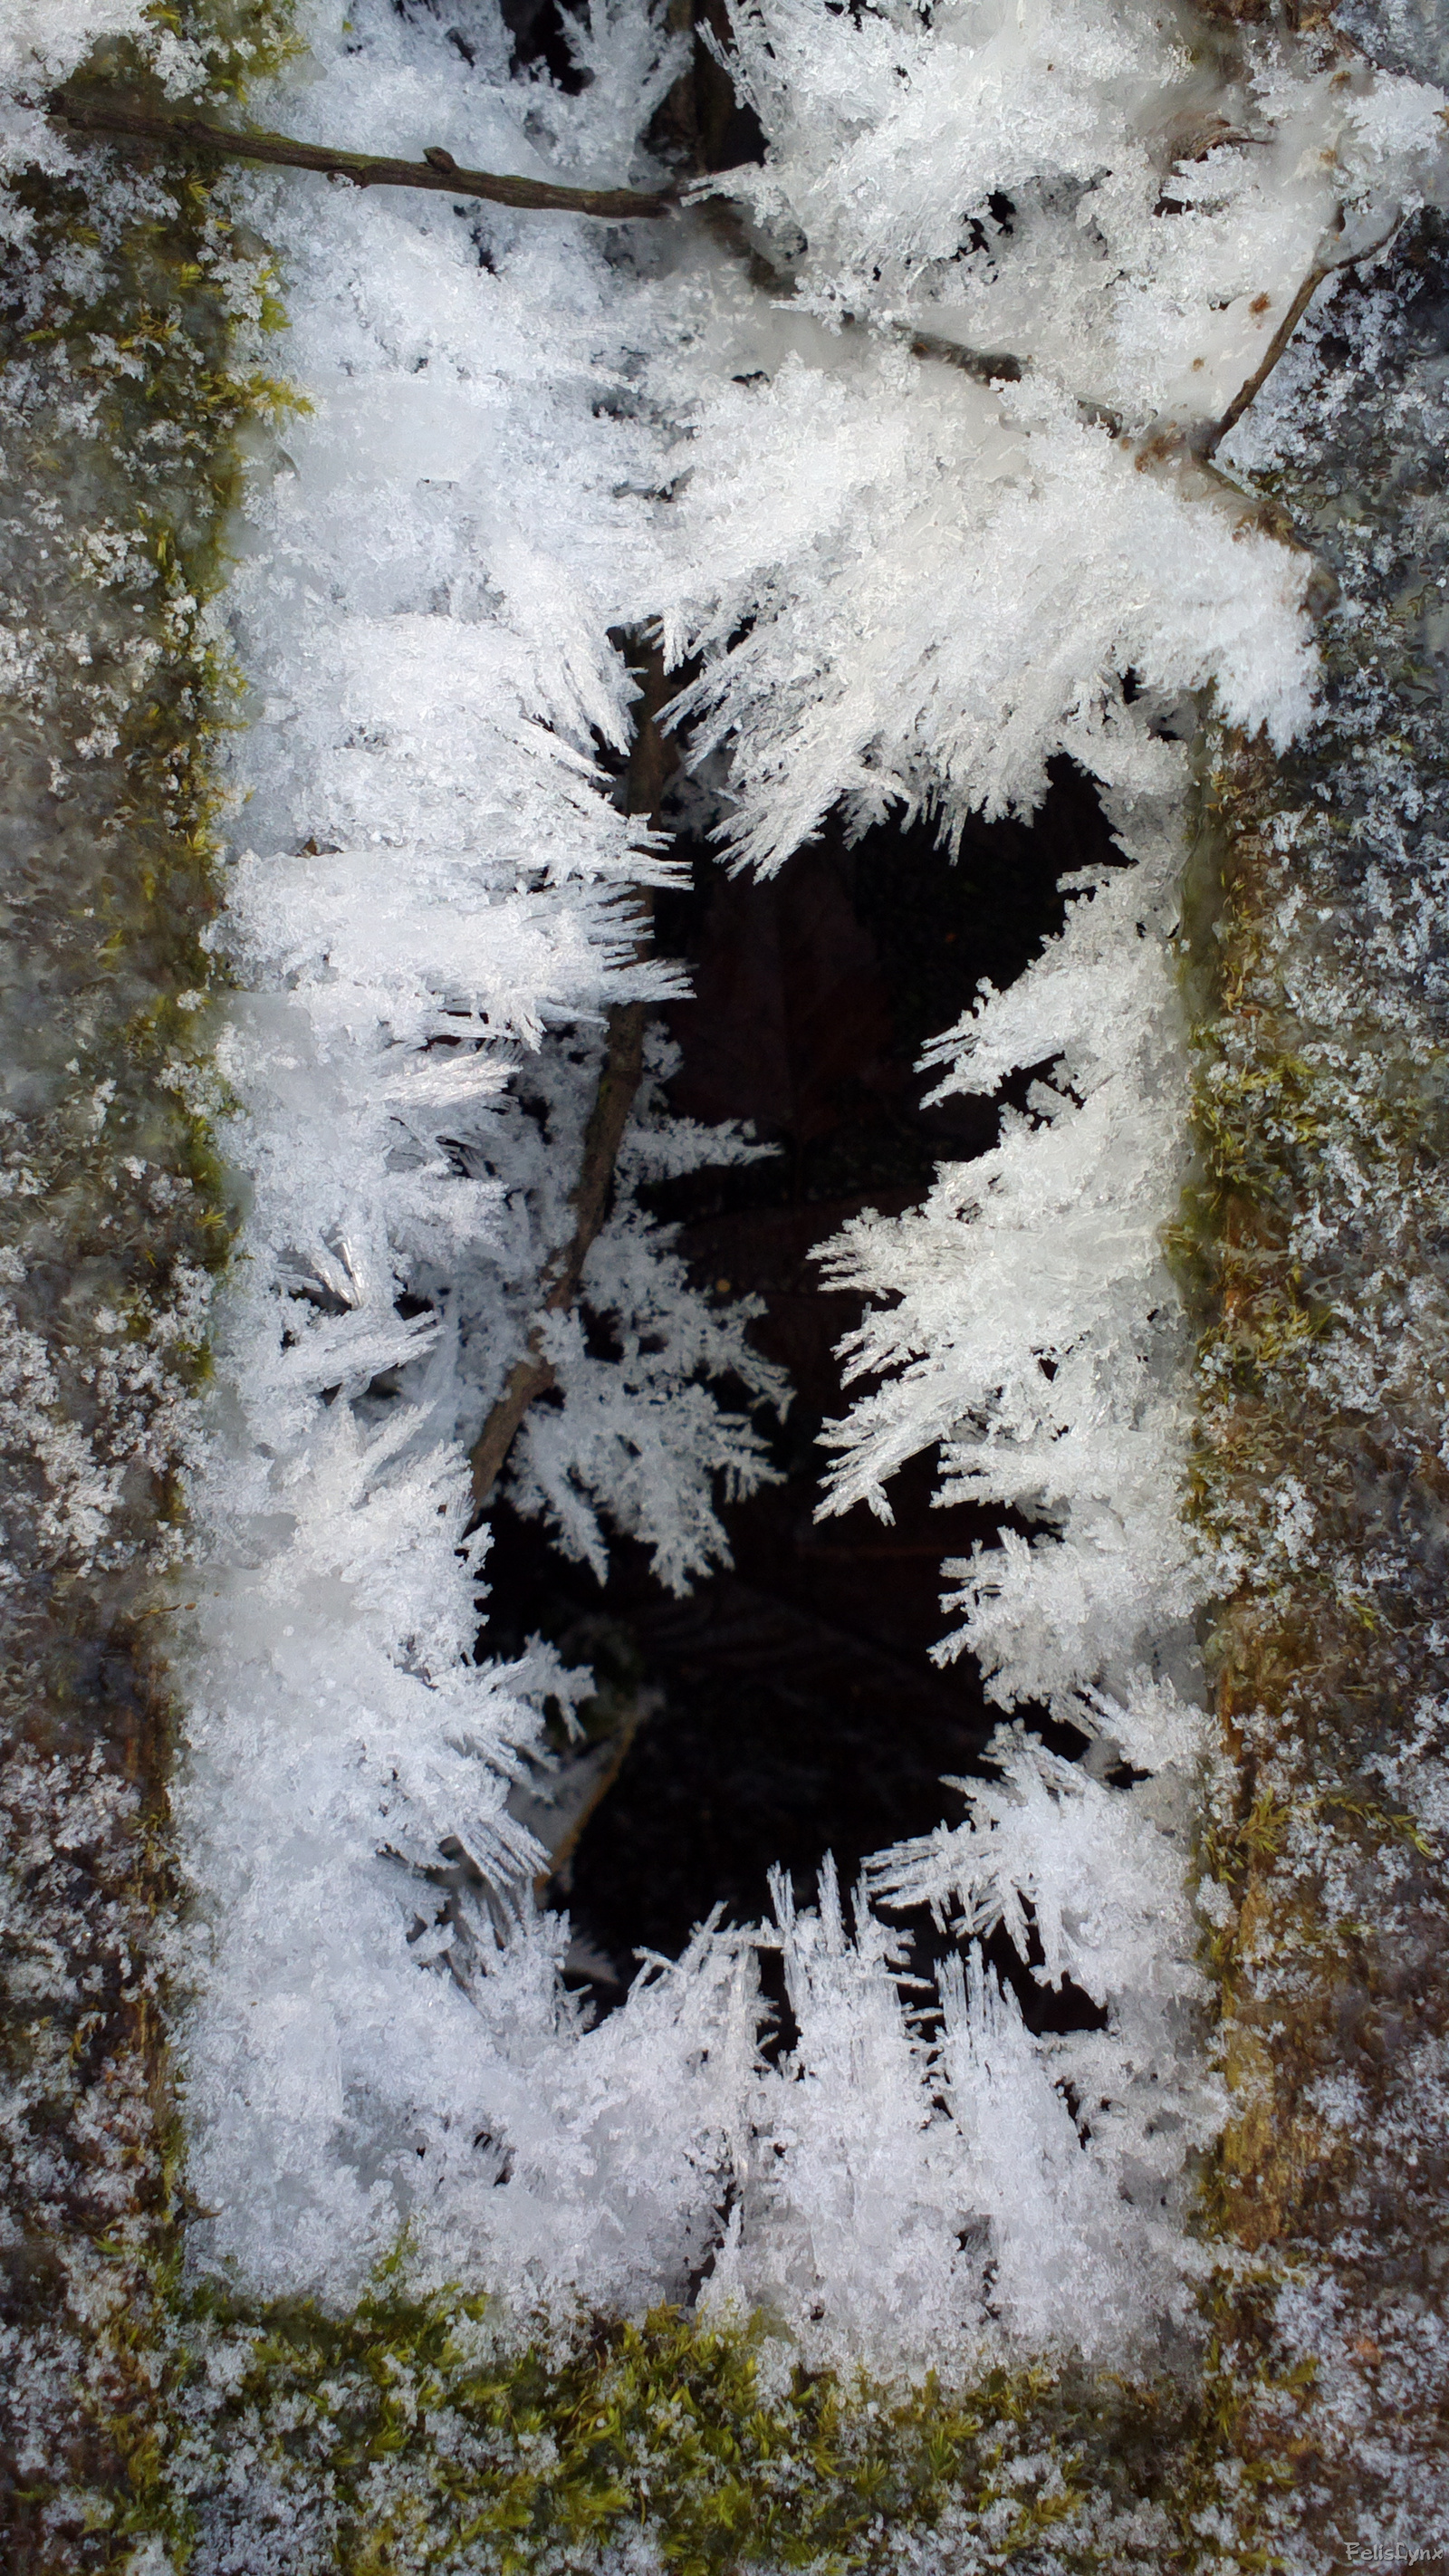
{"type": "Point", "coordinates": [909, 588]}
{"type": "Point", "coordinates": [429, 931]}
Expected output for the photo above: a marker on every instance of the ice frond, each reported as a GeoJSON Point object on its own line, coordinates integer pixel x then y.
{"type": "Point", "coordinates": [630, 62]}
{"type": "Point", "coordinates": [931, 588]}
{"type": "Point", "coordinates": [1096, 1875]}
{"type": "Point", "coordinates": [997, 174]}
{"type": "Point", "coordinates": [1055, 2216]}
{"type": "Point", "coordinates": [1023, 1320]}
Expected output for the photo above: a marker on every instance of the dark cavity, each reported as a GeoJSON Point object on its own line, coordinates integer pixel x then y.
{"type": "Point", "coordinates": [790, 1706]}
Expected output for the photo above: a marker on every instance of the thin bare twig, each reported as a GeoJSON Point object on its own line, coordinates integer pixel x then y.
{"type": "Point", "coordinates": [988, 366]}
{"type": "Point", "coordinates": [997, 367]}
{"type": "Point", "coordinates": [1216, 431]}
{"type": "Point", "coordinates": [129, 119]}
{"type": "Point", "coordinates": [1212, 438]}
{"type": "Point", "coordinates": [619, 1078]}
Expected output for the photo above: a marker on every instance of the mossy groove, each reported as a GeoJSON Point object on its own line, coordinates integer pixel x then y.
{"type": "Point", "coordinates": [423, 2429]}
{"type": "Point", "coordinates": [127, 408]}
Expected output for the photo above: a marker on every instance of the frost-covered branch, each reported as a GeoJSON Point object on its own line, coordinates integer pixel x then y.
{"type": "Point", "coordinates": [988, 366]}
{"type": "Point", "coordinates": [1277, 346]}
{"type": "Point", "coordinates": [438, 171]}
{"type": "Point", "coordinates": [534, 1374]}
{"type": "Point", "coordinates": [131, 120]}
{"type": "Point", "coordinates": [619, 1078]}
{"type": "Point", "coordinates": [1003, 366]}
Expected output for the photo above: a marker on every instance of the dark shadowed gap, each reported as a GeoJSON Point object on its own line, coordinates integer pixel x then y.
{"type": "Point", "coordinates": [792, 1708]}
{"type": "Point", "coordinates": [701, 123]}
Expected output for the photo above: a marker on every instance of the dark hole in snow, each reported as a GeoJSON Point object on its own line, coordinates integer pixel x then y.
{"type": "Point", "coordinates": [791, 1705]}
{"type": "Point", "coordinates": [539, 30]}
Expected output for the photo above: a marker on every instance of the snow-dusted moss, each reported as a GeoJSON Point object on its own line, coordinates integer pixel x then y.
{"type": "Point", "coordinates": [126, 394]}
{"type": "Point", "coordinates": [418, 2432]}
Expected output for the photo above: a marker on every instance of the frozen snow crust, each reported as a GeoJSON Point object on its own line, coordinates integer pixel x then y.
{"type": "Point", "coordinates": [906, 587]}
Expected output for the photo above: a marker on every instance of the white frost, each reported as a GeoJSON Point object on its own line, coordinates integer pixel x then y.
{"type": "Point", "coordinates": [910, 587]}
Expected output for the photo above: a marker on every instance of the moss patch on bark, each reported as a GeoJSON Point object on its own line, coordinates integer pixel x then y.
{"type": "Point", "coordinates": [126, 402]}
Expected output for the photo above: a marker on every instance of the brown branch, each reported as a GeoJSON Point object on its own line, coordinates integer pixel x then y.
{"type": "Point", "coordinates": [130, 120]}
{"type": "Point", "coordinates": [1212, 439]}
{"type": "Point", "coordinates": [619, 1078]}
{"type": "Point", "coordinates": [998, 367]}
{"type": "Point", "coordinates": [988, 366]}
{"type": "Point", "coordinates": [994, 366]}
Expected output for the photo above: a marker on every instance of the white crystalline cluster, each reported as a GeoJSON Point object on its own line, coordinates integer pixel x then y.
{"type": "Point", "coordinates": [931, 588]}
{"type": "Point", "coordinates": [1023, 1316]}
{"type": "Point", "coordinates": [1023, 1320]}
{"type": "Point", "coordinates": [428, 925]}
{"type": "Point", "coordinates": [1122, 196]}
{"type": "Point", "coordinates": [929, 2201]}
{"type": "Point", "coordinates": [934, 580]}
{"type": "Point", "coordinates": [911, 585]}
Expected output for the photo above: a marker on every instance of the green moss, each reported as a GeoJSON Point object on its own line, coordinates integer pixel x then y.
{"type": "Point", "coordinates": [132, 399]}
{"type": "Point", "coordinates": [423, 2430]}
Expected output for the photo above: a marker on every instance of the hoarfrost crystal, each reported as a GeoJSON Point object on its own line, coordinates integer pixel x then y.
{"type": "Point", "coordinates": [932, 511]}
